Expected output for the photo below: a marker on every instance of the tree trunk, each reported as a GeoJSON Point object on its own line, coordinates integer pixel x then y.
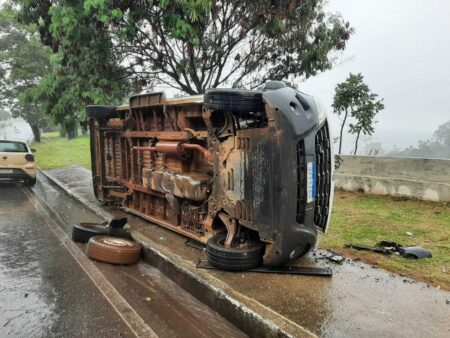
{"type": "Point", "coordinates": [356, 143]}
{"type": "Point", "coordinates": [36, 133]}
{"type": "Point", "coordinates": [342, 130]}
{"type": "Point", "coordinates": [72, 132]}
{"type": "Point", "coordinates": [84, 127]}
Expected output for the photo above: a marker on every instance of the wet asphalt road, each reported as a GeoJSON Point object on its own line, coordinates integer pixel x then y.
{"type": "Point", "coordinates": [49, 288]}
{"type": "Point", "coordinates": [359, 301]}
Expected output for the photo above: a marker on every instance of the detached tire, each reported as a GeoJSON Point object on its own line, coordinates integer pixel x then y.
{"type": "Point", "coordinates": [233, 100]}
{"type": "Point", "coordinates": [81, 233]}
{"type": "Point", "coordinates": [233, 259]}
{"type": "Point", "coordinates": [113, 250]}
{"type": "Point", "coordinates": [101, 112]}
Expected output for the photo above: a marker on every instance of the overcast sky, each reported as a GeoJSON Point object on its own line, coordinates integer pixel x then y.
{"type": "Point", "coordinates": [402, 47]}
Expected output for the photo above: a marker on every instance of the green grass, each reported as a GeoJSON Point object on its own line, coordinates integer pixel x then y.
{"type": "Point", "coordinates": [357, 218]}
{"type": "Point", "coordinates": [59, 152]}
{"type": "Point", "coordinates": [365, 219]}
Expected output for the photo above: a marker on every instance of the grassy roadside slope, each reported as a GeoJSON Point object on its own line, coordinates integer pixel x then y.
{"type": "Point", "coordinates": [357, 218]}
{"type": "Point", "coordinates": [59, 152]}
{"type": "Point", "coordinates": [365, 219]}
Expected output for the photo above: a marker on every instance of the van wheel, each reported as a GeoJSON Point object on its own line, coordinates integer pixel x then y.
{"type": "Point", "coordinates": [101, 112]}
{"type": "Point", "coordinates": [113, 250]}
{"type": "Point", "coordinates": [233, 100]}
{"type": "Point", "coordinates": [235, 258]}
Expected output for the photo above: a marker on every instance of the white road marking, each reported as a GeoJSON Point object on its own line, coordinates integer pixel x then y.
{"type": "Point", "coordinates": [131, 318]}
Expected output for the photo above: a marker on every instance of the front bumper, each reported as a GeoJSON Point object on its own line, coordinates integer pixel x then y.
{"type": "Point", "coordinates": [301, 185]}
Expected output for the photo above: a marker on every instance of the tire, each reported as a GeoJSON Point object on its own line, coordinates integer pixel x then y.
{"type": "Point", "coordinates": [81, 233]}
{"type": "Point", "coordinates": [31, 181]}
{"type": "Point", "coordinates": [113, 250]}
{"type": "Point", "coordinates": [233, 100]}
{"type": "Point", "coordinates": [233, 259]}
{"type": "Point", "coordinates": [100, 112]}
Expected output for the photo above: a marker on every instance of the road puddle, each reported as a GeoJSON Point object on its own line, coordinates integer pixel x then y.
{"type": "Point", "coordinates": [25, 309]}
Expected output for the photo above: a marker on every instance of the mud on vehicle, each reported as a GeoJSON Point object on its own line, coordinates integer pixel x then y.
{"type": "Point", "coordinates": [248, 173]}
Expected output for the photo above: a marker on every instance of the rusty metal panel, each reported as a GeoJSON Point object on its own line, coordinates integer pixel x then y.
{"type": "Point", "coordinates": [201, 171]}
{"type": "Point", "coordinates": [147, 100]}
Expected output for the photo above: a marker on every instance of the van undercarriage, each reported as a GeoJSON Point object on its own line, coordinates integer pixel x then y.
{"type": "Point", "coordinates": [246, 172]}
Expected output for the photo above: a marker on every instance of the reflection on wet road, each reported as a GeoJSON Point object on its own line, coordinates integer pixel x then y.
{"type": "Point", "coordinates": [46, 289]}
{"type": "Point", "coordinates": [26, 305]}
{"type": "Point", "coordinates": [360, 300]}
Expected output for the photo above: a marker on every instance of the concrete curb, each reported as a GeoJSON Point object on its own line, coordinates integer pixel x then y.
{"type": "Point", "coordinates": [96, 210]}
{"type": "Point", "coordinates": [247, 314]}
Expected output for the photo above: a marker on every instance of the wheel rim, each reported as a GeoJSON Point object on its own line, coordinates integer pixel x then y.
{"type": "Point", "coordinates": [249, 245]}
{"type": "Point", "coordinates": [116, 242]}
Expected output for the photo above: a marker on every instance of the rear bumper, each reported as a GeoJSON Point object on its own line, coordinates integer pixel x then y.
{"type": "Point", "coordinates": [17, 173]}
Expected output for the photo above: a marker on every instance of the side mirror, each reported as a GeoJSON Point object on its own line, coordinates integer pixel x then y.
{"type": "Point", "coordinates": [33, 150]}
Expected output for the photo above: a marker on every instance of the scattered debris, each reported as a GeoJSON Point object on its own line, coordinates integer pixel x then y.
{"type": "Point", "coordinates": [367, 248]}
{"type": "Point", "coordinates": [119, 232]}
{"type": "Point", "coordinates": [195, 244]}
{"type": "Point", "coordinates": [286, 270]}
{"type": "Point", "coordinates": [332, 256]}
{"type": "Point", "coordinates": [447, 301]}
{"type": "Point", "coordinates": [409, 233]}
{"type": "Point", "coordinates": [116, 228]}
{"type": "Point", "coordinates": [410, 281]}
{"type": "Point", "coordinates": [148, 299]}
{"type": "Point", "coordinates": [416, 252]}
{"type": "Point", "coordinates": [388, 248]}
{"type": "Point", "coordinates": [118, 223]}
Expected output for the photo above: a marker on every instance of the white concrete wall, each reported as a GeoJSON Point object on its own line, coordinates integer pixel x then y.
{"type": "Point", "coordinates": [427, 179]}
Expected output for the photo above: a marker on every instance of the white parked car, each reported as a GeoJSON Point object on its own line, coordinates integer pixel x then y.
{"type": "Point", "coordinates": [17, 162]}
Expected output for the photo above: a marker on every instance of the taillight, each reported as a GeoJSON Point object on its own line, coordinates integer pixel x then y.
{"type": "Point", "coordinates": [29, 157]}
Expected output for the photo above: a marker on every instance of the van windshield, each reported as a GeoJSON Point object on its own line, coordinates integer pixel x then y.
{"type": "Point", "coordinates": [13, 147]}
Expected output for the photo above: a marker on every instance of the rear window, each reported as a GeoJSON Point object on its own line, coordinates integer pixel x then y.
{"type": "Point", "coordinates": [13, 147]}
